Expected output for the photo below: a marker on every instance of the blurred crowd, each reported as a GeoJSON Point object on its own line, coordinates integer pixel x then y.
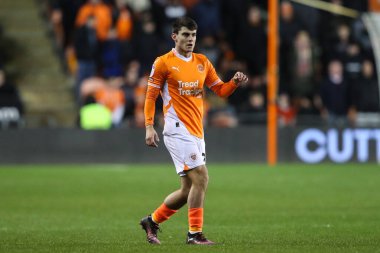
{"type": "Point", "coordinates": [11, 106]}
{"type": "Point", "coordinates": [326, 63]}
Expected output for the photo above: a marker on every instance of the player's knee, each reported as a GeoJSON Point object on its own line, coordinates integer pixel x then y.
{"type": "Point", "coordinates": [201, 177]}
{"type": "Point", "coordinates": [204, 182]}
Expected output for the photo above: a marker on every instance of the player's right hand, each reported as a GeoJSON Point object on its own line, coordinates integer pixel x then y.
{"type": "Point", "coordinates": [151, 137]}
{"type": "Point", "coordinates": [240, 79]}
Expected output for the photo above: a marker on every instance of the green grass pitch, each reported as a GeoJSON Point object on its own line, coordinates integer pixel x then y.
{"type": "Point", "coordinates": [249, 208]}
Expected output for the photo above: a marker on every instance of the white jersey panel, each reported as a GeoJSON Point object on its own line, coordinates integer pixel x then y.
{"type": "Point", "coordinates": [173, 125]}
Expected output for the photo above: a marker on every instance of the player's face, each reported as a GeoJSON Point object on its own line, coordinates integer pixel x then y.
{"type": "Point", "coordinates": [185, 41]}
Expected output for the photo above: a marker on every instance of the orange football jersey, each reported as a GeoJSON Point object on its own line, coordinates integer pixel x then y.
{"type": "Point", "coordinates": [181, 81]}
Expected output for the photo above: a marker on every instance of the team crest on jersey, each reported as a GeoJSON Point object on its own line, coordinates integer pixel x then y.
{"type": "Point", "coordinates": [200, 67]}
{"type": "Point", "coordinates": [193, 156]}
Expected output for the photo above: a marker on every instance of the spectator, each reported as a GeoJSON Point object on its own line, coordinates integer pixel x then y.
{"type": "Point", "coordinates": [366, 90]}
{"type": "Point", "coordinates": [86, 48]}
{"type": "Point", "coordinates": [302, 64]}
{"type": "Point", "coordinates": [285, 112]}
{"type": "Point", "coordinates": [63, 16]}
{"type": "Point", "coordinates": [255, 103]}
{"type": "Point", "coordinates": [225, 118]}
{"type": "Point", "coordinates": [366, 97]}
{"type": "Point", "coordinates": [102, 14]}
{"type": "Point", "coordinates": [289, 28]}
{"type": "Point", "coordinates": [309, 40]}
{"type": "Point", "coordinates": [107, 93]}
{"type": "Point", "coordinates": [89, 86]}
{"type": "Point", "coordinates": [218, 113]}
{"type": "Point", "coordinates": [94, 116]}
{"type": "Point", "coordinates": [252, 42]}
{"type": "Point", "coordinates": [353, 62]}
{"type": "Point", "coordinates": [11, 107]}
{"type": "Point", "coordinates": [209, 48]}
{"type": "Point", "coordinates": [289, 25]}
{"type": "Point", "coordinates": [111, 62]}
{"type": "Point", "coordinates": [253, 111]}
{"type": "Point", "coordinates": [341, 42]}
{"type": "Point", "coordinates": [309, 17]}
{"type": "Point", "coordinates": [112, 97]}
{"type": "Point", "coordinates": [234, 15]}
{"type": "Point", "coordinates": [131, 79]}
{"type": "Point", "coordinates": [240, 97]}
{"type": "Point", "coordinates": [309, 106]}
{"type": "Point", "coordinates": [207, 14]}
{"type": "Point", "coordinates": [328, 25]}
{"type": "Point", "coordinates": [146, 44]}
{"type": "Point", "coordinates": [165, 12]}
{"type": "Point", "coordinates": [335, 95]}
{"type": "Point", "coordinates": [123, 21]}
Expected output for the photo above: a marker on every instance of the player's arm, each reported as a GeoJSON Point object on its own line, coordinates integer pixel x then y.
{"type": "Point", "coordinates": [221, 88]}
{"type": "Point", "coordinates": [151, 136]}
{"type": "Point", "coordinates": [226, 89]}
{"type": "Point", "coordinates": [156, 79]}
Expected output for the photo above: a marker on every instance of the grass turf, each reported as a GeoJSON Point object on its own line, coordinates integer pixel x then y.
{"type": "Point", "coordinates": [249, 208]}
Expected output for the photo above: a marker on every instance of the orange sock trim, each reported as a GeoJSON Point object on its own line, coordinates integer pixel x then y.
{"type": "Point", "coordinates": [162, 213]}
{"type": "Point", "coordinates": [195, 219]}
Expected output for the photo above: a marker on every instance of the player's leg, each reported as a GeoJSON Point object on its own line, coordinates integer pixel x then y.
{"type": "Point", "coordinates": [178, 199]}
{"type": "Point", "coordinates": [195, 201]}
{"type": "Point", "coordinates": [172, 203]}
{"type": "Point", "coordinates": [199, 181]}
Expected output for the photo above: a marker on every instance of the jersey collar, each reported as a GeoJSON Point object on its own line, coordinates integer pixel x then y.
{"type": "Point", "coordinates": [186, 59]}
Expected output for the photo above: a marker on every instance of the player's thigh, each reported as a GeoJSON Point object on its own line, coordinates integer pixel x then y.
{"type": "Point", "coordinates": [198, 175]}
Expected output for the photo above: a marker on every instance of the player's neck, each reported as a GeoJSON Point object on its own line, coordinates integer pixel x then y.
{"type": "Point", "coordinates": [185, 54]}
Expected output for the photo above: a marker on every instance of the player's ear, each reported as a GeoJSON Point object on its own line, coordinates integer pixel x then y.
{"type": "Point", "coordinates": [174, 37]}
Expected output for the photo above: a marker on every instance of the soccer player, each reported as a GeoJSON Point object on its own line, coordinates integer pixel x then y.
{"type": "Point", "coordinates": [180, 76]}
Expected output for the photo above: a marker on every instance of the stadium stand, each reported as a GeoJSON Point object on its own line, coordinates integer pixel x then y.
{"type": "Point", "coordinates": [107, 38]}
{"type": "Point", "coordinates": [11, 106]}
{"type": "Point", "coordinates": [43, 86]}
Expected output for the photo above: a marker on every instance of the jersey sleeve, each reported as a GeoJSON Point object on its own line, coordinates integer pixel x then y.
{"type": "Point", "coordinates": [158, 74]}
{"type": "Point", "coordinates": [212, 77]}
{"type": "Point", "coordinates": [156, 80]}
{"type": "Point", "coordinates": [213, 82]}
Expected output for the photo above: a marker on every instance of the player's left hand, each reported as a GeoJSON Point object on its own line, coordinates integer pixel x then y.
{"type": "Point", "coordinates": [151, 137]}
{"type": "Point", "coordinates": [240, 78]}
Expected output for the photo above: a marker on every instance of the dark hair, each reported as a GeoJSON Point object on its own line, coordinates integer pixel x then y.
{"type": "Point", "coordinates": [89, 100]}
{"type": "Point", "coordinates": [184, 22]}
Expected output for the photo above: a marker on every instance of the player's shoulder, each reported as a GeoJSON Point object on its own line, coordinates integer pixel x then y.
{"type": "Point", "coordinates": [164, 59]}
{"type": "Point", "coordinates": [200, 57]}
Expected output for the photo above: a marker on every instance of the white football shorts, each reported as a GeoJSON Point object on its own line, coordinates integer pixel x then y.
{"type": "Point", "coordinates": [186, 150]}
